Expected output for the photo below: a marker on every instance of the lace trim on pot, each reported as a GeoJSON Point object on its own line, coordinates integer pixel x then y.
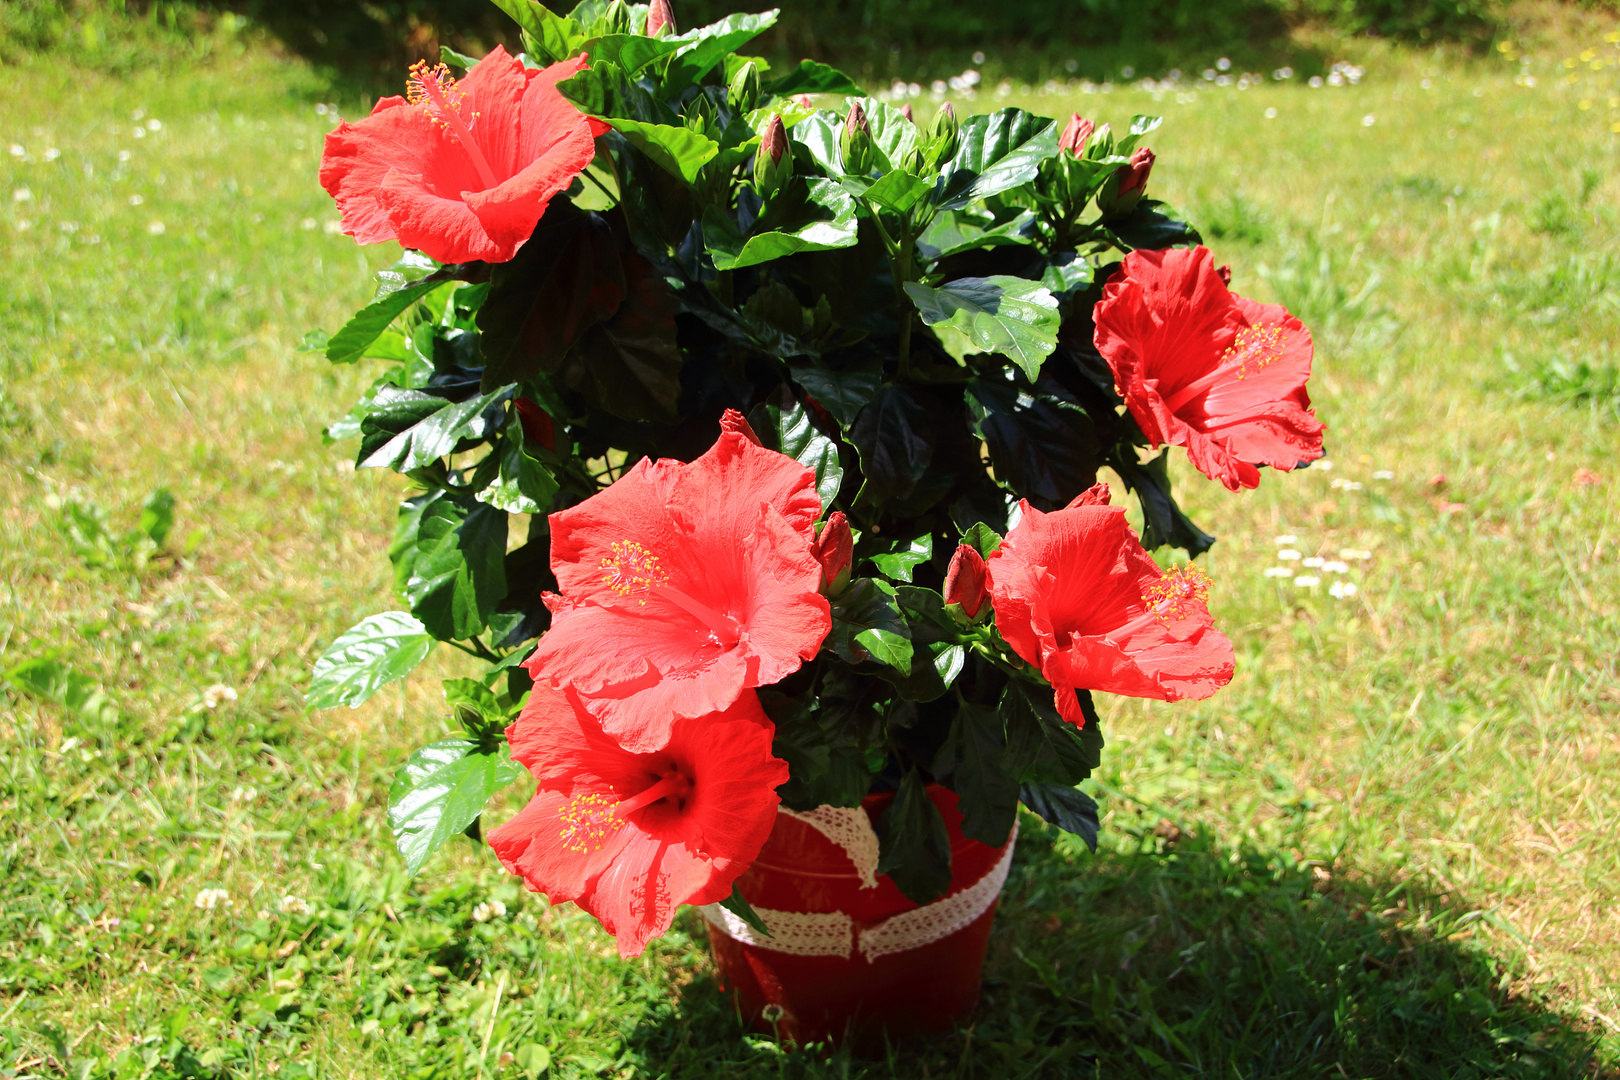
{"type": "Point", "coordinates": [833, 933]}
{"type": "Point", "coordinates": [850, 829]}
{"type": "Point", "coordinates": [932, 922]}
{"type": "Point", "coordinates": [799, 933]}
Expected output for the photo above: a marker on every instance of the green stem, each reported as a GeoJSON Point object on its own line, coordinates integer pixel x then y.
{"type": "Point", "coordinates": [901, 267]}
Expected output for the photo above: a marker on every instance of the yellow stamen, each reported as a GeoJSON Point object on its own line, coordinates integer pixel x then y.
{"type": "Point", "coordinates": [632, 569]}
{"type": "Point", "coordinates": [1177, 593]}
{"type": "Point", "coordinates": [1254, 349]}
{"type": "Point", "coordinates": [439, 96]}
{"type": "Point", "coordinates": [588, 821]}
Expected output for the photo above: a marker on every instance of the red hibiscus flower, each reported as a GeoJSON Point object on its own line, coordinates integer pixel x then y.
{"type": "Point", "coordinates": [683, 586]}
{"type": "Point", "coordinates": [1203, 368]}
{"type": "Point", "coordinates": [630, 837]}
{"type": "Point", "coordinates": [1075, 595]}
{"type": "Point", "coordinates": [460, 170]}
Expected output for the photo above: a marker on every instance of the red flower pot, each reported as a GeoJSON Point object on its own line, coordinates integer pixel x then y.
{"type": "Point", "coordinates": [850, 959]}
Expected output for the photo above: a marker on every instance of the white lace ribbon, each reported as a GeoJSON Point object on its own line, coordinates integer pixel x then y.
{"type": "Point", "coordinates": [850, 829]}
{"type": "Point", "coordinates": [833, 933]}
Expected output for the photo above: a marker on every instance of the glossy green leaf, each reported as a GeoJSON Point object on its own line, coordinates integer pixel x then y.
{"type": "Point", "coordinates": [1163, 521]}
{"type": "Point", "coordinates": [904, 556]}
{"type": "Point", "coordinates": [441, 790]}
{"type": "Point", "coordinates": [1154, 225]}
{"type": "Point", "coordinates": [790, 431]}
{"type": "Point", "coordinates": [970, 763]}
{"type": "Point", "coordinates": [677, 150]}
{"type": "Point", "coordinates": [894, 435]}
{"type": "Point", "coordinates": [351, 343]}
{"type": "Point", "coordinates": [549, 37]}
{"type": "Point", "coordinates": [1070, 809]}
{"type": "Point", "coordinates": [1010, 316]}
{"type": "Point", "coordinates": [982, 538]}
{"type": "Point", "coordinates": [629, 52]}
{"type": "Point", "coordinates": [914, 849]}
{"type": "Point", "coordinates": [1041, 745]}
{"type": "Point", "coordinates": [366, 657]}
{"type": "Point", "coordinates": [1041, 442]}
{"type": "Point", "coordinates": [828, 222]}
{"type": "Point", "coordinates": [867, 625]}
{"type": "Point", "coordinates": [523, 486]}
{"type": "Point", "coordinates": [630, 364]}
{"type": "Point", "coordinates": [844, 391]}
{"type": "Point", "coordinates": [812, 77]}
{"type": "Point", "coordinates": [953, 232]}
{"type": "Point", "coordinates": [1141, 124]}
{"type": "Point", "coordinates": [995, 153]}
{"type": "Point", "coordinates": [406, 429]}
{"type": "Point", "coordinates": [738, 905]}
{"type": "Point", "coordinates": [707, 45]}
{"type": "Point", "coordinates": [897, 190]}
{"type": "Point", "coordinates": [458, 570]}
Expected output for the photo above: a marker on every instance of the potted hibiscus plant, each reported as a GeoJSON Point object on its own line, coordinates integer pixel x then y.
{"type": "Point", "coordinates": [757, 440]}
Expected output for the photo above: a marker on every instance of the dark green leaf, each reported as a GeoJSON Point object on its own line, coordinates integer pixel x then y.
{"type": "Point", "coordinates": [905, 555]}
{"type": "Point", "coordinates": [458, 574]}
{"type": "Point", "coordinates": [1154, 225]}
{"type": "Point", "coordinates": [407, 429]}
{"type": "Point", "coordinates": [867, 624]}
{"type": "Point", "coordinates": [934, 666]}
{"type": "Point", "coordinates": [1041, 745]}
{"type": "Point", "coordinates": [894, 435]}
{"type": "Point", "coordinates": [1042, 444]}
{"type": "Point", "coordinates": [970, 763]}
{"type": "Point", "coordinates": [843, 392]}
{"type": "Point", "coordinates": [678, 150]}
{"type": "Point", "coordinates": [826, 766]}
{"type": "Point", "coordinates": [629, 52]}
{"type": "Point", "coordinates": [524, 485]}
{"type": "Point", "coordinates": [367, 656]}
{"type": "Point", "coordinates": [566, 279]}
{"type": "Point", "coordinates": [914, 848]}
{"type": "Point", "coordinates": [738, 905]}
{"type": "Point", "coordinates": [791, 431]}
{"type": "Point", "coordinates": [1070, 809]}
{"type": "Point", "coordinates": [157, 516]}
{"type": "Point", "coordinates": [630, 365]}
{"type": "Point", "coordinates": [441, 790]}
{"type": "Point", "coordinates": [812, 77]}
{"type": "Point", "coordinates": [995, 153]}
{"type": "Point", "coordinates": [1162, 520]}
{"type": "Point", "coordinates": [1010, 316]}
{"type": "Point", "coordinates": [350, 343]}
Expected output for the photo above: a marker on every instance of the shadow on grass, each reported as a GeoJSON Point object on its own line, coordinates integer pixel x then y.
{"type": "Point", "coordinates": [1187, 958]}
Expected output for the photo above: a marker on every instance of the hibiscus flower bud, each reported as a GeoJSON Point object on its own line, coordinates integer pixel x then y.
{"type": "Point", "coordinates": [773, 162]}
{"type": "Point", "coordinates": [905, 111]}
{"type": "Point", "coordinates": [733, 421]}
{"type": "Point", "coordinates": [1076, 135]}
{"type": "Point", "coordinates": [1224, 272]}
{"type": "Point", "coordinates": [855, 145]}
{"type": "Point", "coordinates": [943, 135]}
{"type": "Point", "coordinates": [967, 583]}
{"type": "Point", "coordinates": [1095, 495]}
{"type": "Point", "coordinates": [660, 19]}
{"type": "Point", "coordinates": [743, 93]}
{"type": "Point", "coordinates": [1123, 189]}
{"type": "Point", "coordinates": [538, 426]}
{"type": "Point", "coordinates": [834, 550]}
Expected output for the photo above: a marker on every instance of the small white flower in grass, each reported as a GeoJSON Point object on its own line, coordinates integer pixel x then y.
{"type": "Point", "coordinates": [308, 223]}
{"type": "Point", "coordinates": [1383, 474]}
{"type": "Point", "coordinates": [138, 114]}
{"type": "Point", "coordinates": [1278, 571]}
{"type": "Point", "coordinates": [1359, 554]}
{"type": "Point", "coordinates": [1345, 485]}
{"type": "Point", "coordinates": [1324, 464]}
{"type": "Point", "coordinates": [333, 227]}
{"type": "Point", "coordinates": [21, 194]}
{"type": "Point", "coordinates": [136, 200]}
{"type": "Point", "coordinates": [1271, 114]}
{"type": "Point", "coordinates": [244, 794]}
{"type": "Point", "coordinates": [1316, 82]}
{"type": "Point", "coordinates": [155, 228]}
{"type": "Point", "coordinates": [1336, 567]}
{"type": "Point", "coordinates": [493, 909]}
{"type": "Point", "coordinates": [209, 899]}
{"type": "Point", "coordinates": [294, 905]}
{"type": "Point", "coordinates": [154, 124]}
{"type": "Point", "coordinates": [124, 155]}
{"type": "Point", "coordinates": [1369, 120]}
{"type": "Point", "coordinates": [1223, 64]}
{"type": "Point", "coordinates": [52, 153]}
{"type": "Point", "coordinates": [1285, 541]}
{"type": "Point", "coordinates": [217, 695]}
{"type": "Point", "coordinates": [17, 150]}
{"type": "Point", "coordinates": [1289, 555]}
{"type": "Point", "coordinates": [1342, 590]}
{"type": "Point", "coordinates": [23, 225]}
{"type": "Point", "coordinates": [1312, 561]}
{"type": "Point", "coordinates": [1307, 581]}
{"type": "Point", "coordinates": [138, 132]}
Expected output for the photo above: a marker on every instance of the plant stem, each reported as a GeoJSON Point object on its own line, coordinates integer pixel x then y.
{"type": "Point", "coordinates": [900, 265]}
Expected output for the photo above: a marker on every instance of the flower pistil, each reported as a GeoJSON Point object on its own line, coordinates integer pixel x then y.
{"type": "Point", "coordinates": [1254, 349]}
{"type": "Point", "coordinates": [590, 819]}
{"type": "Point", "coordinates": [439, 96]}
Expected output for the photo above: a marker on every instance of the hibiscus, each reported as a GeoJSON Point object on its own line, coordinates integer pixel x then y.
{"type": "Point", "coordinates": [683, 585]}
{"type": "Point", "coordinates": [630, 837]}
{"type": "Point", "coordinates": [460, 170]}
{"type": "Point", "coordinates": [1077, 596]}
{"type": "Point", "coordinates": [1203, 368]}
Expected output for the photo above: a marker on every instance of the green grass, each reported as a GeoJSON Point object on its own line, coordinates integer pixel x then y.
{"type": "Point", "coordinates": [1388, 849]}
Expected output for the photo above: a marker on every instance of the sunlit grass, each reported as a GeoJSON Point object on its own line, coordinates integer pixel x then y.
{"type": "Point", "coordinates": [1391, 843]}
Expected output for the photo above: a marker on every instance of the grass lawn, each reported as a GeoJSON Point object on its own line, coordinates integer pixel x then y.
{"type": "Point", "coordinates": [1389, 849]}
